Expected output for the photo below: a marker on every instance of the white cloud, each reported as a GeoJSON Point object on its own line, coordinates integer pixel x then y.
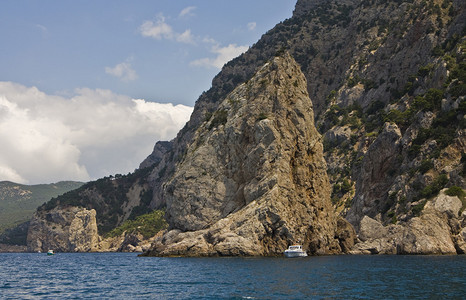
{"type": "Point", "coordinates": [123, 70]}
{"type": "Point", "coordinates": [186, 37]}
{"type": "Point", "coordinates": [252, 26]}
{"type": "Point", "coordinates": [188, 11]}
{"type": "Point", "coordinates": [224, 55]}
{"type": "Point", "coordinates": [157, 30]}
{"type": "Point", "coordinates": [95, 133]}
{"type": "Point", "coordinates": [161, 30]}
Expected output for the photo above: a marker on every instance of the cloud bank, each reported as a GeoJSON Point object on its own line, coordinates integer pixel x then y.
{"type": "Point", "coordinates": [95, 133]}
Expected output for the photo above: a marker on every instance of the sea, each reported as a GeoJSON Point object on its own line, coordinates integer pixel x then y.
{"type": "Point", "coordinates": [127, 276]}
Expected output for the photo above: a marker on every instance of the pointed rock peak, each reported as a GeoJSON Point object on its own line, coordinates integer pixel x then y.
{"type": "Point", "coordinates": [254, 179]}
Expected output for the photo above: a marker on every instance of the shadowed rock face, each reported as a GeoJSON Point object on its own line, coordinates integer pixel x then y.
{"type": "Point", "coordinates": [254, 179]}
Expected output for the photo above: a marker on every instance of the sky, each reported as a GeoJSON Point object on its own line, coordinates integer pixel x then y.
{"type": "Point", "coordinates": [88, 87]}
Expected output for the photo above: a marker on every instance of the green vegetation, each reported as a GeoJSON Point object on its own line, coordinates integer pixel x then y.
{"type": "Point", "coordinates": [18, 202]}
{"type": "Point", "coordinates": [219, 118]}
{"type": "Point", "coordinates": [340, 188]}
{"type": "Point", "coordinates": [392, 216]}
{"type": "Point", "coordinates": [417, 209]}
{"type": "Point", "coordinates": [434, 188]}
{"type": "Point", "coordinates": [425, 166]}
{"type": "Point", "coordinates": [107, 196]}
{"type": "Point", "coordinates": [261, 116]}
{"type": "Point", "coordinates": [148, 225]}
{"type": "Point", "coordinates": [430, 101]}
{"type": "Point", "coordinates": [337, 115]}
{"type": "Point", "coordinates": [460, 193]}
{"type": "Point", "coordinates": [368, 84]}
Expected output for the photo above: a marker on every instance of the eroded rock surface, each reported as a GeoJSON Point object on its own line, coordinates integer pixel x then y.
{"type": "Point", "coordinates": [70, 229]}
{"type": "Point", "coordinates": [254, 179]}
{"type": "Point", "coordinates": [438, 230]}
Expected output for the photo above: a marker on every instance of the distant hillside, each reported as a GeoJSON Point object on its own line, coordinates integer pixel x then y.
{"type": "Point", "coordinates": [18, 202]}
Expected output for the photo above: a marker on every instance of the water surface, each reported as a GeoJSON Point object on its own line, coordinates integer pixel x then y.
{"type": "Point", "coordinates": [126, 276]}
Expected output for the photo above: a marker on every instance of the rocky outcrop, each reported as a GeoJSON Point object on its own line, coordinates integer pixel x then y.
{"type": "Point", "coordinates": [254, 180]}
{"type": "Point", "coordinates": [386, 79]}
{"type": "Point", "coordinates": [5, 248]}
{"type": "Point", "coordinates": [70, 229]}
{"type": "Point", "coordinates": [438, 230]}
{"type": "Point", "coordinates": [373, 182]}
{"type": "Point", "coordinates": [74, 229]}
{"type": "Point", "coordinates": [157, 154]}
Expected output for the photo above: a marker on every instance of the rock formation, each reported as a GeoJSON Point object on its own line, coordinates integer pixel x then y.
{"type": "Point", "coordinates": [74, 229]}
{"type": "Point", "coordinates": [253, 180]}
{"type": "Point", "coordinates": [245, 176]}
{"type": "Point", "coordinates": [69, 229]}
{"type": "Point", "coordinates": [373, 182]}
{"type": "Point", "coordinates": [435, 231]}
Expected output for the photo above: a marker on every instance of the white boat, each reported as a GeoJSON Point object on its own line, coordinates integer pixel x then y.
{"type": "Point", "coordinates": [50, 252]}
{"type": "Point", "coordinates": [295, 251]}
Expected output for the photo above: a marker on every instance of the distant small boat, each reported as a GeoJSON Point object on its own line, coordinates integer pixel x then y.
{"type": "Point", "coordinates": [50, 252]}
{"type": "Point", "coordinates": [295, 251]}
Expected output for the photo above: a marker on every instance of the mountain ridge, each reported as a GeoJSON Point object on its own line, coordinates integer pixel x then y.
{"type": "Point", "coordinates": [19, 201]}
{"type": "Point", "coordinates": [387, 85]}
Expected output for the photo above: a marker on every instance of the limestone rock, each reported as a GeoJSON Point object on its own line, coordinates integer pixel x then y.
{"type": "Point", "coordinates": [436, 231]}
{"type": "Point", "coordinates": [338, 135]}
{"type": "Point", "coordinates": [254, 179]}
{"type": "Point", "coordinates": [5, 248]}
{"type": "Point", "coordinates": [373, 182]}
{"type": "Point", "coordinates": [346, 235]}
{"type": "Point", "coordinates": [157, 154]}
{"type": "Point", "coordinates": [371, 229]}
{"type": "Point", "coordinates": [450, 205]}
{"type": "Point", "coordinates": [70, 229]}
{"type": "Point", "coordinates": [427, 234]}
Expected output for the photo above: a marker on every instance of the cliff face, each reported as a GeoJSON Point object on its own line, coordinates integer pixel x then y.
{"type": "Point", "coordinates": [74, 229]}
{"type": "Point", "coordinates": [63, 230]}
{"type": "Point", "coordinates": [18, 203]}
{"type": "Point", "coordinates": [387, 84]}
{"type": "Point", "coordinates": [386, 79]}
{"type": "Point", "coordinates": [253, 180]}
{"type": "Point", "coordinates": [439, 229]}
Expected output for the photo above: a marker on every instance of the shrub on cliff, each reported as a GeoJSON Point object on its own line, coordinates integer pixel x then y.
{"type": "Point", "coordinates": [148, 225]}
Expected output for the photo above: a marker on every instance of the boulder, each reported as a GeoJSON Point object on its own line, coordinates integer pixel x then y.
{"type": "Point", "coordinates": [427, 234]}
{"type": "Point", "coordinates": [443, 203]}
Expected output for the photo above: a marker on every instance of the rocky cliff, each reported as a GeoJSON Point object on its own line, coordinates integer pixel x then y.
{"type": "Point", "coordinates": [386, 79]}
{"type": "Point", "coordinates": [74, 229]}
{"type": "Point", "coordinates": [387, 85]}
{"type": "Point", "coordinates": [253, 180]}
{"type": "Point", "coordinates": [63, 230]}
{"type": "Point", "coordinates": [440, 229]}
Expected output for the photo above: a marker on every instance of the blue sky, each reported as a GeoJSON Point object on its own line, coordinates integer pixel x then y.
{"type": "Point", "coordinates": [88, 87]}
{"type": "Point", "coordinates": [58, 46]}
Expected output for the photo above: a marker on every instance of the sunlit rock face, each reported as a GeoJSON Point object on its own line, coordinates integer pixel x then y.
{"type": "Point", "coordinates": [70, 229]}
{"type": "Point", "coordinates": [254, 179]}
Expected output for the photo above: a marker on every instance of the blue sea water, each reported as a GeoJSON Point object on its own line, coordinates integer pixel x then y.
{"type": "Point", "coordinates": [126, 276]}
